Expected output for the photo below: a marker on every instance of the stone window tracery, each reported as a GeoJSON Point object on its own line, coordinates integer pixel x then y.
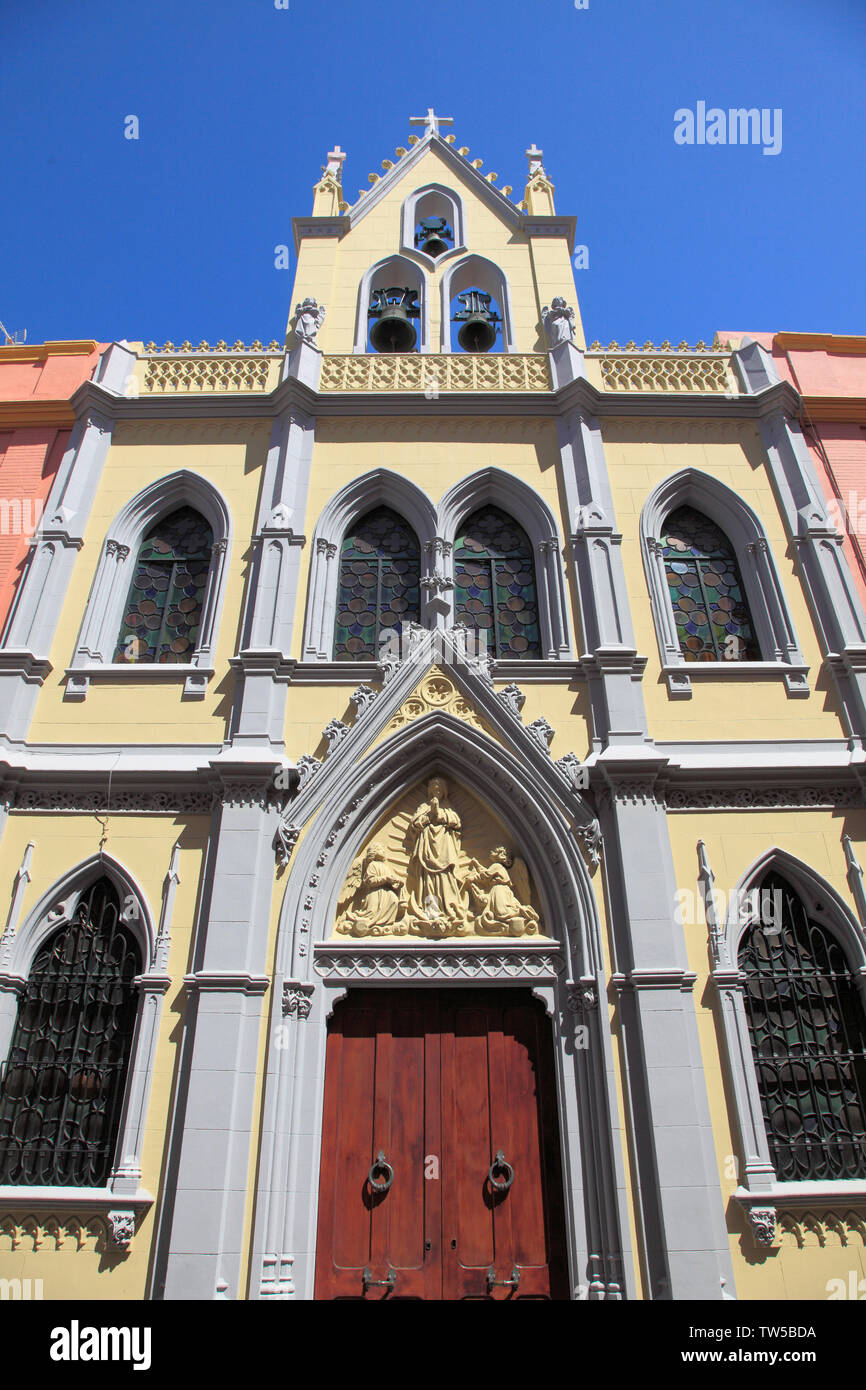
{"type": "Point", "coordinates": [495, 586]}
{"type": "Point", "coordinates": [379, 584]}
{"type": "Point", "coordinates": [706, 590]}
{"type": "Point", "coordinates": [164, 607]}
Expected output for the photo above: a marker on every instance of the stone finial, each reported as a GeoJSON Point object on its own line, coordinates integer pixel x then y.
{"type": "Point", "coordinates": [535, 156]}
{"type": "Point", "coordinates": [335, 158]}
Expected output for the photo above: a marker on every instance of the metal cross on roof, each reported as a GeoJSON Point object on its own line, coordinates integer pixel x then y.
{"type": "Point", "coordinates": [431, 121]}
{"type": "Point", "coordinates": [535, 157]}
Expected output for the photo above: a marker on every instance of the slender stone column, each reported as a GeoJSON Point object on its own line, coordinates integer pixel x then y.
{"type": "Point", "coordinates": [35, 614]}
{"type": "Point", "coordinates": [209, 1174]}
{"type": "Point", "coordinates": [686, 1242]}
{"type": "Point", "coordinates": [258, 716]}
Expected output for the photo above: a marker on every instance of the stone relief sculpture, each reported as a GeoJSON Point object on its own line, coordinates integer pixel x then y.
{"type": "Point", "coordinates": [417, 877]}
{"type": "Point", "coordinates": [500, 895]}
{"type": "Point", "coordinates": [374, 895]}
{"type": "Point", "coordinates": [435, 892]}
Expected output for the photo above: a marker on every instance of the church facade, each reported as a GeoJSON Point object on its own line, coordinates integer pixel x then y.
{"type": "Point", "coordinates": [433, 800]}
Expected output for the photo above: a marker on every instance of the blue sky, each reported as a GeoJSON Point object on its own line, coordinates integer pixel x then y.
{"type": "Point", "coordinates": [173, 235]}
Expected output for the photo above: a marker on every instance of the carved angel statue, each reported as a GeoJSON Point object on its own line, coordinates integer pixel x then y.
{"type": "Point", "coordinates": [373, 897]}
{"type": "Point", "coordinates": [500, 895]}
{"type": "Point", "coordinates": [558, 321]}
{"type": "Point", "coordinates": [309, 317]}
{"type": "Point", "coordinates": [436, 899]}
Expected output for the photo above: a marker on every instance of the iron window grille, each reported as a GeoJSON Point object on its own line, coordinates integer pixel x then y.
{"type": "Point", "coordinates": [808, 1034]}
{"type": "Point", "coordinates": [63, 1083]}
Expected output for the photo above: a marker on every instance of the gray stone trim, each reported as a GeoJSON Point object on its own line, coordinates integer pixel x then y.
{"type": "Point", "coordinates": [101, 623]}
{"type": "Point", "coordinates": [829, 586]}
{"type": "Point", "coordinates": [765, 596]}
{"type": "Point", "coordinates": [35, 612]}
{"type": "Point", "coordinates": [680, 1201]}
{"type": "Point", "coordinates": [437, 963]}
{"type": "Point", "coordinates": [611, 661]}
{"type": "Point", "coordinates": [346, 804]}
{"type": "Point", "coordinates": [380, 486]}
{"type": "Point", "coordinates": [95, 1199]}
{"type": "Point", "coordinates": [201, 1224]}
{"type": "Point", "coordinates": [54, 908]}
{"type": "Point", "coordinates": [758, 1174]}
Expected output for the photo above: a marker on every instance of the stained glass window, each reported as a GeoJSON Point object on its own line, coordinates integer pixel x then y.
{"type": "Point", "coordinates": [164, 607]}
{"type": "Point", "coordinates": [712, 618]}
{"type": "Point", "coordinates": [63, 1083]}
{"type": "Point", "coordinates": [495, 584]}
{"type": "Point", "coordinates": [808, 1035]}
{"type": "Point", "coordinates": [380, 566]}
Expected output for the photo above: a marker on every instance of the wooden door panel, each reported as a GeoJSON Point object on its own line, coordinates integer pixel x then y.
{"type": "Point", "coordinates": [443, 1079]}
{"type": "Point", "coordinates": [375, 1090]}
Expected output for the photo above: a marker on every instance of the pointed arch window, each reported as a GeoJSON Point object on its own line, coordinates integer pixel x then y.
{"type": "Point", "coordinates": [164, 607]}
{"type": "Point", "coordinates": [807, 1029]}
{"type": "Point", "coordinates": [494, 577]}
{"type": "Point", "coordinates": [706, 590]}
{"type": "Point", "coordinates": [64, 1079]}
{"type": "Point", "coordinates": [379, 584]}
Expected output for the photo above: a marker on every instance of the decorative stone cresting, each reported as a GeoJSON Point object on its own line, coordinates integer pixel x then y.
{"type": "Point", "coordinates": [233, 372]}
{"type": "Point", "coordinates": [461, 372]}
{"type": "Point", "coordinates": [699, 370]}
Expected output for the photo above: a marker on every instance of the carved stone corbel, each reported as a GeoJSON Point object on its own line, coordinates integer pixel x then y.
{"type": "Point", "coordinates": [763, 1223]}
{"type": "Point", "coordinates": [122, 1226]}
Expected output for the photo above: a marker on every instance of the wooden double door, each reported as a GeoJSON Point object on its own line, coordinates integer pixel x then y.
{"type": "Point", "coordinates": [440, 1173]}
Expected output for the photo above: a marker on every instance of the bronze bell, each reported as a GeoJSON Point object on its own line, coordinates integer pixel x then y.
{"type": "Point", "coordinates": [393, 310]}
{"type": "Point", "coordinates": [478, 322]}
{"type": "Point", "coordinates": [430, 236]}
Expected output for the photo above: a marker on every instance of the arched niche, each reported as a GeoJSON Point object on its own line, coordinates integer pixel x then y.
{"type": "Point", "coordinates": [434, 200]}
{"type": "Point", "coordinates": [477, 272]}
{"type": "Point", "coordinates": [393, 270]}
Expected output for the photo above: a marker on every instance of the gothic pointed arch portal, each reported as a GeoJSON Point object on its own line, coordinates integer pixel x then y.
{"type": "Point", "coordinates": [559, 962]}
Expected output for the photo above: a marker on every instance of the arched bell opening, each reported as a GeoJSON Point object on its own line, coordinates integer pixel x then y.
{"type": "Point", "coordinates": [476, 323]}
{"type": "Point", "coordinates": [433, 224]}
{"type": "Point", "coordinates": [476, 308]}
{"type": "Point", "coordinates": [392, 308]}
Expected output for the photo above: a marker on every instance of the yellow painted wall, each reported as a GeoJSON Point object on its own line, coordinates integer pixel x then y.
{"type": "Point", "coordinates": [231, 455]}
{"type": "Point", "coordinates": [331, 271]}
{"type": "Point", "coordinates": [640, 454]}
{"type": "Point", "coordinates": [798, 1266]}
{"type": "Point", "coordinates": [142, 844]}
